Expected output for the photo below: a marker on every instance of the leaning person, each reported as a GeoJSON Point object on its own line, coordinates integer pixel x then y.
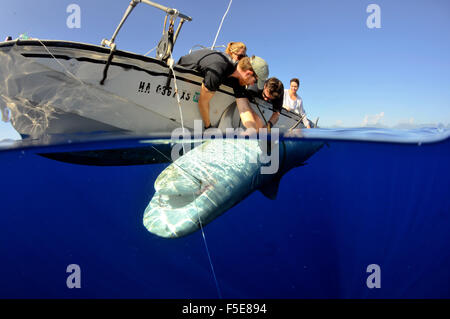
{"type": "Point", "coordinates": [271, 91]}
{"type": "Point", "coordinates": [236, 51]}
{"type": "Point", "coordinates": [216, 68]}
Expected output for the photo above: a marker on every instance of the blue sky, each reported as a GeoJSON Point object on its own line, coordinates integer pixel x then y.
{"type": "Point", "coordinates": [350, 75]}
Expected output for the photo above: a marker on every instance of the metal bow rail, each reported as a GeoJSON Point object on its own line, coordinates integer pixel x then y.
{"type": "Point", "coordinates": [165, 45]}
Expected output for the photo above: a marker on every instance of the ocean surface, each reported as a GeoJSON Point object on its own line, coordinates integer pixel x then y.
{"type": "Point", "coordinates": [368, 216]}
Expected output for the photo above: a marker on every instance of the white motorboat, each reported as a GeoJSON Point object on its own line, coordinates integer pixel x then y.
{"type": "Point", "coordinates": [54, 87]}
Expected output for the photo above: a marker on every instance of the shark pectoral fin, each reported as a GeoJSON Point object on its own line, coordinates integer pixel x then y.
{"type": "Point", "coordinates": [270, 190]}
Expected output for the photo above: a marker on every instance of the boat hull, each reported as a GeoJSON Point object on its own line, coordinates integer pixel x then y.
{"type": "Point", "coordinates": [53, 87]}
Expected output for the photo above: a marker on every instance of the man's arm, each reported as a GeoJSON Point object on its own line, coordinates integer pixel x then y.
{"type": "Point", "coordinates": [248, 117]}
{"type": "Point", "coordinates": [274, 118]}
{"type": "Point", "coordinates": [277, 106]}
{"type": "Point", "coordinates": [203, 104]}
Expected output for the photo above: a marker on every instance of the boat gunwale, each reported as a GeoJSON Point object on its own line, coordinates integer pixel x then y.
{"type": "Point", "coordinates": [123, 54]}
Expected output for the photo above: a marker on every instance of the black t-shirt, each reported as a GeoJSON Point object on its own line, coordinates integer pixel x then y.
{"type": "Point", "coordinates": [253, 92]}
{"type": "Point", "coordinates": [239, 90]}
{"type": "Point", "coordinates": [215, 67]}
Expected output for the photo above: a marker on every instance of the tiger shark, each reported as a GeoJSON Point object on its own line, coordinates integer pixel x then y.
{"type": "Point", "coordinates": [208, 180]}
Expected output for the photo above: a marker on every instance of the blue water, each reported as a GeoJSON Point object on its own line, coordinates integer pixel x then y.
{"type": "Point", "coordinates": [359, 201]}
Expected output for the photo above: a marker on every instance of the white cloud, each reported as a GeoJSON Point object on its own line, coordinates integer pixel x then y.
{"type": "Point", "coordinates": [406, 124]}
{"type": "Point", "coordinates": [371, 120]}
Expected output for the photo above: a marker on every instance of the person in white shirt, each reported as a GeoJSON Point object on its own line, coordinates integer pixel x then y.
{"type": "Point", "coordinates": [294, 103]}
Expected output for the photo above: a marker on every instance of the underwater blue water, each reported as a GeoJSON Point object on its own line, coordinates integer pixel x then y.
{"type": "Point", "coordinates": [355, 203]}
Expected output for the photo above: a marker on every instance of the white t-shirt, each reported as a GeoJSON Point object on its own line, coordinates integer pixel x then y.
{"type": "Point", "coordinates": [294, 105]}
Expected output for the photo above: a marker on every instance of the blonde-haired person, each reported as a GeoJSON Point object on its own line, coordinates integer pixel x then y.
{"type": "Point", "coordinates": [294, 103]}
{"type": "Point", "coordinates": [236, 51]}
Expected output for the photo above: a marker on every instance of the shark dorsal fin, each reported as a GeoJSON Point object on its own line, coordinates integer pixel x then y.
{"type": "Point", "coordinates": [270, 190]}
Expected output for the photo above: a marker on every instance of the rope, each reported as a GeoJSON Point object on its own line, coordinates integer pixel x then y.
{"type": "Point", "coordinates": [193, 195]}
{"type": "Point", "coordinates": [220, 26]}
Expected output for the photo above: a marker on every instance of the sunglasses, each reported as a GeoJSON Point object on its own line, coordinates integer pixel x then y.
{"type": "Point", "coordinates": [255, 76]}
{"type": "Point", "coordinates": [239, 56]}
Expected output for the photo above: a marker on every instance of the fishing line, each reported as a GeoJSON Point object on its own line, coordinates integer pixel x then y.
{"type": "Point", "coordinates": [207, 250]}
{"type": "Point", "coordinates": [184, 151]}
{"type": "Point", "coordinates": [260, 112]}
{"type": "Point", "coordinates": [150, 51]}
{"type": "Point", "coordinates": [220, 26]}
{"type": "Point", "coordinates": [64, 67]}
{"type": "Point", "coordinates": [170, 64]}
{"type": "Point", "coordinates": [193, 195]}
{"type": "Point", "coordinates": [197, 180]}
{"type": "Point", "coordinates": [178, 100]}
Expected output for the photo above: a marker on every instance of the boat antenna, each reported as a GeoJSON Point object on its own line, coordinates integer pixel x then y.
{"type": "Point", "coordinates": [220, 26]}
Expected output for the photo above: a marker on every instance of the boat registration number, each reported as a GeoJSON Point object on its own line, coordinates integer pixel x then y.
{"type": "Point", "coordinates": [168, 91]}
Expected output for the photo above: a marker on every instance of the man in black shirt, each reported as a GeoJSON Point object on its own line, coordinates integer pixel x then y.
{"type": "Point", "coordinates": [272, 92]}
{"type": "Point", "coordinates": [216, 67]}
